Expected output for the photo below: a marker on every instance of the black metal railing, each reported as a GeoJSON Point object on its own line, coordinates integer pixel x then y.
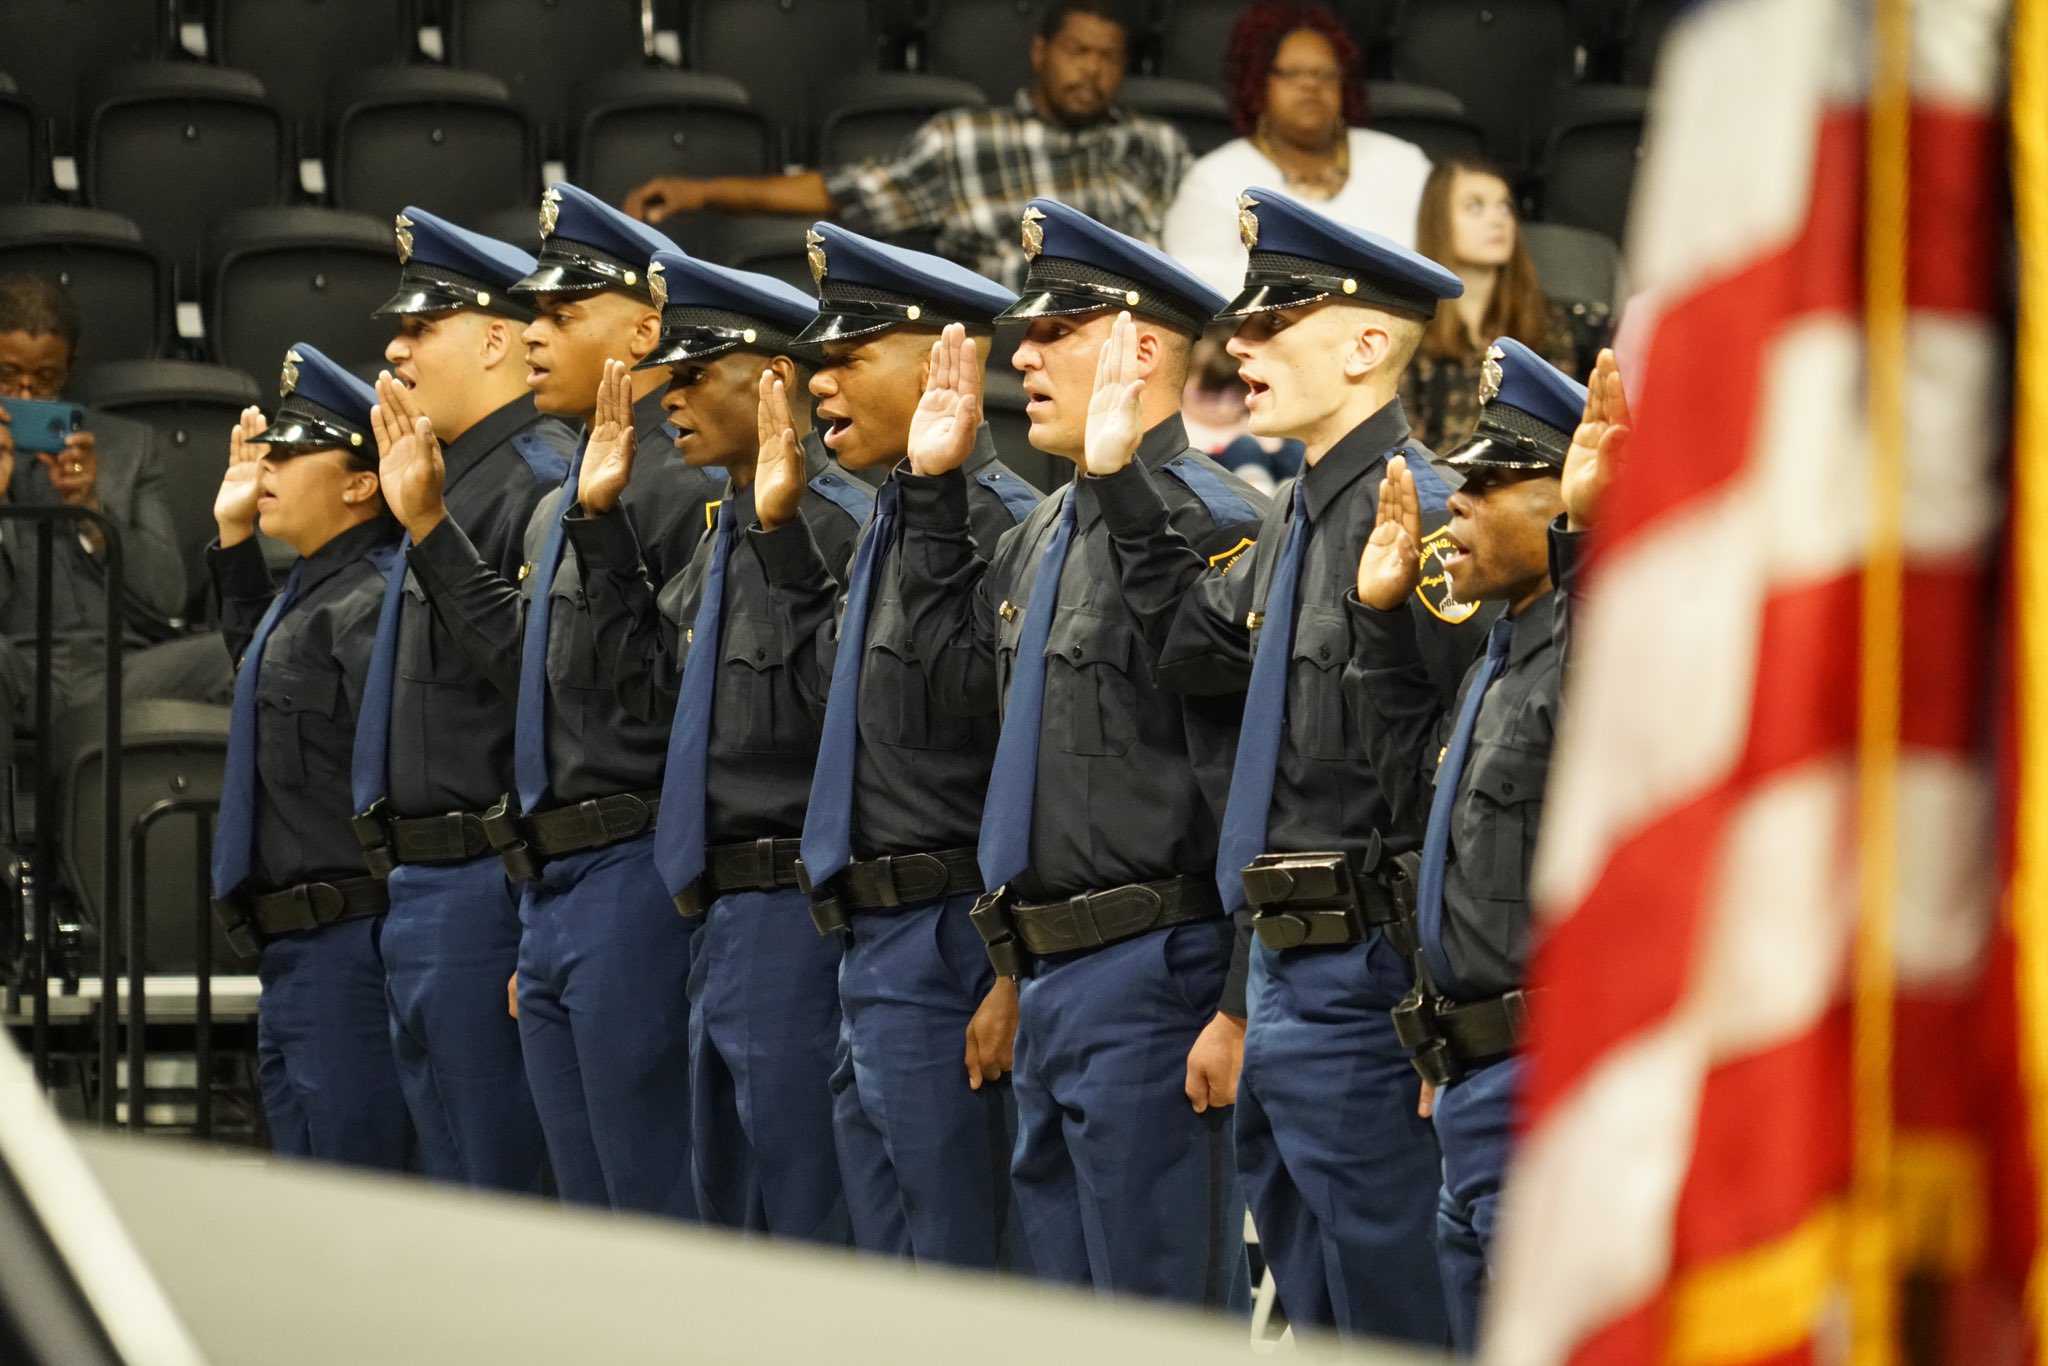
{"type": "Point", "coordinates": [203, 810]}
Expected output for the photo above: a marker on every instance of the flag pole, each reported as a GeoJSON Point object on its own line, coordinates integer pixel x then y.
{"type": "Point", "coordinates": [1872, 1261]}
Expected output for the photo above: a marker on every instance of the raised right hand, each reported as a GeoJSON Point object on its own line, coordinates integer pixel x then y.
{"type": "Point", "coordinates": [948, 417]}
{"type": "Point", "coordinates": [410, 470]}
{"type": "Point", "coordinates": [656, 199]}
{"type": "Point", "coordinates": [234, 507]}
{"type": "Point", "coordinates": [779, 468]}
{"type": "Point", "coordinates": [1599, 445]}
{"type": "Point", "coordinates": [1390, 567]}
{"type": "Point", "coordinates": [608, 456]}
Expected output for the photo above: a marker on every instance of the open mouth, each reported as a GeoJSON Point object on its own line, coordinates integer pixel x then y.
{"type": "Point", "coordinates": [1455, 554]}
{"type": "Point", "coordinates": [836, 433]}
{"type": "Point", "coordinates": [1254, 391]}
{"type": "Point", "coordinates": [536, 375]}
{"type": "Point", "coordinates": [683, 434]}
{"type": "Point", "coordinates": [405, 381]}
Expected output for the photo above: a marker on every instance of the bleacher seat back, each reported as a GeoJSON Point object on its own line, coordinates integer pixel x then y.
{"type": "Point", "coordinates": [637, 124]}
{"type": "Point", "coordinates": [1590, 172]}
{"type": "Point", "coordinates": [543, 49]}
{"type": "Point", "coordinates": [518, 224]}
{"type": "Point", "coordinates": [450, 141]}
{"type": "Point", "coordinates": [1432, 119]}
{"type": "Point", "coordinates": [55, 48]}
{"type": "Point", "coordinates": [174, 145]}
{"type": "Point", "coordinates": [1505, 59]}
{"type": "Point", "coordinates": [872, 114]}
{"type": "Point", "coordinates": [784, 54]}
{"type": "Point", "coordinates": [1193, 36]}
{"type": "Point", "coordinates": [277, 275]}
{"type": "Point", "coordinates": [1581, 271]}
{"type": "Point", "coordinates": [984, 41]}
{"type": "Point", "coordinates": [168, 750]}
{"type": "Point", "coordinates": [191, 407]}
{"type": "Point", "coordinates": [770, 245]}
{"type": "Point", "coordinates": [122, 286]}
{"type": "Point", "coordinates": [298, 48]}
{"type": "Point", "coordinates": [22, 159]}
{"type": "Point", "coordinates": [1649, 23]}
{"type": "Point", "coordinates": [1199, 111]}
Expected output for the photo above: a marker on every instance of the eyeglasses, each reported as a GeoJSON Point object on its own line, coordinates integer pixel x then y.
{"type": "Point", "coordinates": [1307, 75]}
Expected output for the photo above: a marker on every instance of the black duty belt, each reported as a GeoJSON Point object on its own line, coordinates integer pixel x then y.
{"type": "Point", "coordinates": [1096, 919]}
{"type": "Point", "coordinates": [751, 866]}
{"type": "Point", "coordinates": [526, 842]}
{"type": "Point", "coordinates": [1316, 900]}
{"type": "Point", "coordinates": [250, 920]}
{"type": "Point", "coordinates": [891, 883]}
{"type": "Point", "coordinates": [389, 840]}
{"type": "Point", "coordinates": [1447, 1039]}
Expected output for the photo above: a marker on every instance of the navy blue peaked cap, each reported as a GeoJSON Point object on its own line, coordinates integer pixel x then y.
{"type": "Point", "coordinates": [1299, 256]}
{"type": "Point", "coordinates": [587, 245]}
{"type": "Point", "coordinates": [1528, 409]}
{"type": "Point", "coordinates": [443, 266]}
{"type": "Point", "coordinates": [1081, 266]}
{"type": "Point", "coordinates": [865, 286]}
{"type": "Point", "coordinates": [325, 408]}
{"type": "Point", "coordinates": [708, 310]}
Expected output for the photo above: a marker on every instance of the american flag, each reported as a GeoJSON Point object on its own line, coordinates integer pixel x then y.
{"type": "Point", "coordinates": [1687, 1187]}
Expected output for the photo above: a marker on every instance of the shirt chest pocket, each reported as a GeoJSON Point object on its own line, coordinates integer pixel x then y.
{"type": "Point", "coordinates": [572, 661]}
{"type": "Point", "coordinates": [425, 655]}
{"type": "Point", "coordinates": [294, 713]}
{"type": "Point", "coordinates": [1317, 723]}
{"type": "Point", "coordinates": [895, 699]}
{"type": "Point", "coordinates": [1090, 700]}
{"type": "Point", "coordinates": [1498, 808]}
{"type": "Point", "coordinates": [753, 712]}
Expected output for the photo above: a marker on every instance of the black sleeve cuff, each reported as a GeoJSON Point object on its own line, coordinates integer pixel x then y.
{"type": "Point", "coordinates": [1381, 640]}
{"type": "Point", "coordinates": [1238, 979]}
{"type": "Point", "coordinates": [1130, 502]}
{"type": "Point", "coordinates": [1567, 553]}
{"type": "Point", "coordinates": [609, 542]}
{"type": "Point", "coordinates": [443, 557]}
{"type": "Point", "coordinates": [788, 554]}
{"type": "Point", "coordinates": [934, 502]}
{"type": "Point", "coordinates": [239, 570]}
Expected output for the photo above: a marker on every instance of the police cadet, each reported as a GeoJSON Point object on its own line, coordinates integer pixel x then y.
{"type": "Point", "coordinates": [1339, 1168]}
{"type": "Point", "coordinates": [1097, 840]}
{"type": "Point", "coordinates": [434, 747]}
{"type": "Point", "coordinates": [705, 648]}
{"type": "Point", "coordinates": [603, 959]}
{"type": "Point", "coordinates": [288, 875]}
{"type": "Point", "coordinates": [923, 1133]}
{"type": "Point", "coordinates": [1467, 1015]}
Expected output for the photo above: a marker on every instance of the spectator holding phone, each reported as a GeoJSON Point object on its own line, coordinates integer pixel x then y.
{"type": "Point", "coordinates": [108, 465]}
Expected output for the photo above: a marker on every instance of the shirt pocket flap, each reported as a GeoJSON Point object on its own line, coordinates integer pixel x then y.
{"type": "Point", "coordinates": [752, 641]}
{"type": "Point", "coordinates": [296, 690]}
{"type": "Point", "coordinates": [1090, 638]}
{"type": "Point", "coordinates": [1505, 775]}
{"type": "Point", "coordinates": [1322, 638]}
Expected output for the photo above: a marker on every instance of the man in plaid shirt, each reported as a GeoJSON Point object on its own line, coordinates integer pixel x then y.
{"type": "Point", "coordinates": [968, 173]}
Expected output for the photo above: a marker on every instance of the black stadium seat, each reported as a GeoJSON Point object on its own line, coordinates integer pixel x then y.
{"type": "Point", "coordinates": [1506, 59]}
{"type": "Point", "coordinates": [122, 286]}
{"type": "Point", "coordinates": [22, 159]}
{"type": "Point", "coordinates": [518, 224]}
{"type": "Point", "coordinates": [769, 245]}
{"type": "Point", "coordinates": [1589, 171]}
{"type": "Point", "coordinates": [191, 407]}
{"type": "Point", "coordinates": [449, 141]}
{"type": "Point", "coordinates": [1648, 23]}
{"type": "Point", "coordinates": [984, 41]}
{"type": "Point", "coordinates": [174, 145]}
{"type": "Point", "coordinates": [1193, 36]}
{"type": "Point", "coordinates": [544, 49]}
{"type": "Point", "coordinates": [54, 47]}
{"type": "Point", "coordinates": [299, 47]}
{"type": "Point", "coordinates": [784, 54]}
{"type": "Point", "coordinates": [1199, 111]}
{"type": "Point", "coordinates": [277, 276]}
{"type": "Point", "coordinates": [1581, 272]}
{"type": "Point", "coordinates": [1432, 119]}
{"type": "Point", "coordinates": [873, 112]}
{"type": "Point", "coordinates": [636, 124]}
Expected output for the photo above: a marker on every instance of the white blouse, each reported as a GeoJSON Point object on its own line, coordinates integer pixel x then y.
{"type": "Point", "coordinates": [1382, 195]}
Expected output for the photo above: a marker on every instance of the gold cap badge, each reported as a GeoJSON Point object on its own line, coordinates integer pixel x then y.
{"type": "Point", "coordinates": [814, 252]}
{"type": "Point", "coordinates": [1490, 374]}
{"type": "Point", "coordinates": [1247, 222]}
{"type": "Point", "coordinates": [550, 209]}
{"type": "Point", "coordinates": [1034, 236]}
{"type": "Point", "coordinates": [289, 380]}
{"type": "Point", "coordinates": [402, 226]}
{"type": "Point", "coordinates": [657, 284]}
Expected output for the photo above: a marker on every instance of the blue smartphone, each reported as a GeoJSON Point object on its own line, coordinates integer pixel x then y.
{"type": "Point", "coordinates": [42, 426]}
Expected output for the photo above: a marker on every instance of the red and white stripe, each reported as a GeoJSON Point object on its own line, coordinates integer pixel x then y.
{"type": "Point", "coordinates": [1687, 1094]}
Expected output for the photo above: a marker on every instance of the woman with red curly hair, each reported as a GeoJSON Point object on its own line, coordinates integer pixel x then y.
{"type": "Point", "coordinates": [1293, 73]}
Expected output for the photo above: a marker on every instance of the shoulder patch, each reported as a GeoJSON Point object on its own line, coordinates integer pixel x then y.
{"type": "Point", "coordinates": [1216, 489]}
{"type": "Point", "coordinates": [548, 462]}
{"type": "Point", "coordinates": [1223, 560]}
{"type": "Point", "coordinates": [1435, 588]}
{"type": "Point", "coordinates": [853, 498]}
{"type": "Point", "coordinates": [1018, 497]}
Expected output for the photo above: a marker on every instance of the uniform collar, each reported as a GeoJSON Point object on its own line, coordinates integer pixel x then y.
{"type": "Point", "coordinates": [467, 451]}
{"type": "Point", "coordinates": [1363, 447]}
{"type": "Point", "coordinates": [1533, 629]}
{"type": "Point", "coordinates": [344, 550]}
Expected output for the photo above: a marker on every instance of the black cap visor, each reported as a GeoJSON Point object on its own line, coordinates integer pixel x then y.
{"type": "Point", "coordinates": [1272, 296]}
{"type": "Point", "coordinates": [432, 292]}
{"type": "Point", "coordinates": [302, 428]}
{"type": "Point", "coordinates": [845, 322]}
{"type": "Point", "coordinates": [1494, 452]}
{"type": "Point", "coordinates": [572, 268]}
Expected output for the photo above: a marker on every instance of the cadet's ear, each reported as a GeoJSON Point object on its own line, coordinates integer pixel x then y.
{"type": "Point", "coordinates": [1370, 346]}
{"type": "Point", "coordinates": [497, 342]}
{"type": "Point", "coordinates": [359, 488]}
{"type": "Point", "coordinates": [1150, 351]}
{"type": "Point", "coordinates": [646, 334]}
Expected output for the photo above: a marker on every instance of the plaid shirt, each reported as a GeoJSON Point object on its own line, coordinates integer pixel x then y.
{"type": "Point", "coordinates": [969, 173]}
{"type": "Point", "coordinates": [1441, 397]}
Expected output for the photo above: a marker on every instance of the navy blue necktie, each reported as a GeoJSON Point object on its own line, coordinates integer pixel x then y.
{"type": "Point", "coordinates": [1436, 843]}
{"type": "Point", "coordinates": [1243, 837]}
{"type": "Point", "coordinates": [370, 761]}
{"type": "Point", "coordinates": [1005, 846]}
{"type": "Point", "coordinates": [679, 837]}
{"type": "Point", "coordinates": [828, 820]}
{"type": "Point", "coordinates": [530, 716]}
{"type": "Point", "coordinates": [234, 838]}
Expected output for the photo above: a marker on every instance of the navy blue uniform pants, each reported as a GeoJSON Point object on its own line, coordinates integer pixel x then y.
{"type": "Point", "coordinates": [925, 1159]}
{"type": "Point", "coordinates": [451, 942]}
{"type": "Point", "coordinates": [1342, 1174]}
{"type": "Point", "coordinates": [323, 1047]}
{"type": "Point", "coordinates": [764, 1036]}
{"type": "Point", "coordinates": [604, 1022]}
{"type": "Point", "coordinates": [1120, 1185]}
{"type": "Point", "coordinates": [1474, 1123]}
